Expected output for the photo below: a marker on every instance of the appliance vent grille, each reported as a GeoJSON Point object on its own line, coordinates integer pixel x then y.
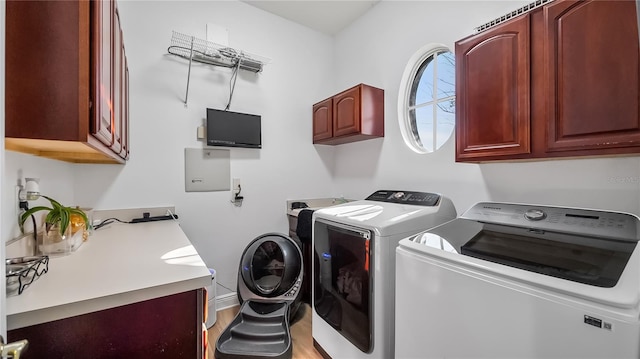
{"type": "Point", "coordinates": [520, 11]}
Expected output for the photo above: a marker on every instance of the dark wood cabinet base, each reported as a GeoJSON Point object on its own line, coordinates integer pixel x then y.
{"type": "Point", "coordinates": [166, 327]}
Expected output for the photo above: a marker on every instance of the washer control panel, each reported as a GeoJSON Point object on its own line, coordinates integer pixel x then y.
{"type": "Point", "coordinates": [568, 220]}
{"type": "Point", "coordinates": [406, 197]}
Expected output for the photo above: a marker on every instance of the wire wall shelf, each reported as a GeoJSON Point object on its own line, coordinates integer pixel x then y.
{"type": "Point", "coordinates": [21, 272]}
{"type": "Point", "coordinates": [207, 52]}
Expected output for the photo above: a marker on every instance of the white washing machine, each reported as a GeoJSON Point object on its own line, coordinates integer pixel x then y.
{"type": "Point", "coordinates": [521, 281]}
{"type": "Point", "coordinates": [354, 264]}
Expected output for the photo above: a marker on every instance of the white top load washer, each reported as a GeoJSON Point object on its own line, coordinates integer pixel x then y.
{"type": "Point", "coordinates": [354, 264]}
{"type": "Point", "coordinates": [521, 281]}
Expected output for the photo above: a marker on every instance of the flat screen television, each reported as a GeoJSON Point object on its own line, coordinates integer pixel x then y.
{"type": "Point", "coordinates": [233, 129]}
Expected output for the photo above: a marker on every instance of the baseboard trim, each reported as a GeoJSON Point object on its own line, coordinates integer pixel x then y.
{"type": "Point", "coordinates": [225, 301]}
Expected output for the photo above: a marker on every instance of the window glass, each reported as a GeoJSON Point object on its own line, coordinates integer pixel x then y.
{"type": "Point", "coordinates": [446, 75]}
{"type": "Point", "coordinates": [426, 103]}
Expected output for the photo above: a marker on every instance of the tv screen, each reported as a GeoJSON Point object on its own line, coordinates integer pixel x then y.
{"type": "Point", "coordinates": [233, 129]}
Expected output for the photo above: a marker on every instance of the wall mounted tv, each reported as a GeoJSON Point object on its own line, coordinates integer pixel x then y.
{"type": "Point", "coordinates": [233, 129]}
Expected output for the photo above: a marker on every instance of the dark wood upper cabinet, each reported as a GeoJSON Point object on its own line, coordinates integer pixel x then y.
{"type": "Point", "coordinates": [61, 81]}
{"type": "Point", "coordinates": [118, 83]}
{"type": "Point", "coordinates": [125, 110]}
{"type": "Point", "coordinates": [560, 81]}
{"type": "Point", "coordinates": [593, 75]}
{"type": "Point", "coordinates": [493, 103]}
{"type": "Point", "coordinates": [323, 120]}
{"type": "Point", "coordinates": [346, 112]}
{"type": "Point", "coordinates": [102, 47]}
{"type": "Point", "coordinates": [355, 114]}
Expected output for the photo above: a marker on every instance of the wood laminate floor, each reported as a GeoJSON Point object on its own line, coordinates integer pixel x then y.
{"type": "Point", "coordinates": [300, 332]}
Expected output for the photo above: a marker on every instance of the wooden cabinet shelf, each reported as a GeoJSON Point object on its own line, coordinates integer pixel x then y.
{"type": "Point", "coordinates": [66, 81]}
{"type": "Point", "coordinates": [560, 81]}
{"type": "Point", "coordinates": [353, 115]}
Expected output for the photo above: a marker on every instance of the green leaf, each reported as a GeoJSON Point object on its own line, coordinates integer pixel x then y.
{"type": "Point", "coordinates": [64, 220]}
{"type": "Point", "coordinates": [31, 211]}
{"type": "Point", "coordinates": [54, 203]}
{"type": "Point", "coordinates": [52, 217]}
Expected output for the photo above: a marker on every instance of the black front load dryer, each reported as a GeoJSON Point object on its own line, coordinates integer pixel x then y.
{"type": "Point", "coordinates": [269, 280]}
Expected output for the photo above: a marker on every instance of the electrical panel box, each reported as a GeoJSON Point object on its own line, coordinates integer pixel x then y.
{"type": "Point", "coordinates": [206, 170]}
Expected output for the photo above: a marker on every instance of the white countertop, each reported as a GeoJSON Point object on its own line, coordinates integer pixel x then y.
{"type": "Point", "coordinates": [118, 265]}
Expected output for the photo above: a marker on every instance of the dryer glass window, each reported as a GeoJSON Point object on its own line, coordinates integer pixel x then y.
{"type": "Point", "coordinates": [267, 266]}
{"type": "Point", "coordinates": [342, 274]}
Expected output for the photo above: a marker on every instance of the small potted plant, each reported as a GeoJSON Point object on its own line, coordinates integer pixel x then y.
{"type": "Point", "coordinates": [57, 222]}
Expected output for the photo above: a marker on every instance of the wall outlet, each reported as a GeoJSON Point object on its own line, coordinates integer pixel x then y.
{"type": "Point", "coordinates": [236, 192]}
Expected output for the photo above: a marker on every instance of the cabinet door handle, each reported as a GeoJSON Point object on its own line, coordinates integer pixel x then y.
{"type": "Point", "coordinates": [13, 350]}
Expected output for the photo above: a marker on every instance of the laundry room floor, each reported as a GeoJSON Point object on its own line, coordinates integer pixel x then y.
{"type": "Point", "coordinates": [300, 332]}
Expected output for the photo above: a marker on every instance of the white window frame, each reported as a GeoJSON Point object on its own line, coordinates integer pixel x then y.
{"type": "Point", "coordinates": [404, 94]}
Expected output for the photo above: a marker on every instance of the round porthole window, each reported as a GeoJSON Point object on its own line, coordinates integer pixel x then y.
{"type": "Point", "coordinates": [427, 99]}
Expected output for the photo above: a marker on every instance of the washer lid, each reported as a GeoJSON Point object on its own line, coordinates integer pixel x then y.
{"type": "Point", "coordinates": [571, 250]}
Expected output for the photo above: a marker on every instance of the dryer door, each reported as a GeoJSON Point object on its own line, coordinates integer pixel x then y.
{"type": "Point", "coordinates": [343, 282]}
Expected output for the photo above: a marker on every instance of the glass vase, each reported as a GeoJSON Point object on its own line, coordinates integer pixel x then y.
{"type": "Point", "coordinates": [53, 242]}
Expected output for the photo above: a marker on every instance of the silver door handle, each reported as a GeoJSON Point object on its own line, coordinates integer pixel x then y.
{"type": "Point", "coordinates": [13, 350]}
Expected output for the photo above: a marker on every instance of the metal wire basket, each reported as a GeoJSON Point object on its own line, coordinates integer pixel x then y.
{"type": "Point", "coordinates": [207, 52]}
{"type": "Point", "coordinates": [195, 49]}
{"type": "Point", "coordinates": [22, 271]}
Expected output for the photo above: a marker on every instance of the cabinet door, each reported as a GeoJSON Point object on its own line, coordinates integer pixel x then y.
{"type": "Point", "coordinates": [118, 83]}
{"type": "Point", "coordinates": [593, 69]}
{"type": "Point", "coordinates": [346, 112]}
{"type": "Point", "coordinates": [125, 116]}
{"type": "Point", "coordinates": [322, 120]}
{"type": "Point", "coordinates": [492, 92]}
{"type": "Point", "coordinates": [46, 70]}
{"type": "Point", "coordinates": [102, 123]}
{"type": "Point", "coordinates": [166, 327]}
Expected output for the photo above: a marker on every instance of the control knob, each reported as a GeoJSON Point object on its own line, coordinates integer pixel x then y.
{"type": "Point", "coordinates": [535, 215]}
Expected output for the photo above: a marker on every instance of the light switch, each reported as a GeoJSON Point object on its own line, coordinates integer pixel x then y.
{"type": "Point", "coordinates": [206, 170]}
{"type": "Point", "coordinates": [201, 133]}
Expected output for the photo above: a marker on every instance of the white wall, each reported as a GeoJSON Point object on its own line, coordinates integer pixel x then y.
{"type": "Point", "coordinates": [306, 67]}
{"type": "Point", "coordinates": [287, 167]}
{"type": "Point", "coordinates": [375, 50]}
{"type": "Point", "coordinates": [56, 181]}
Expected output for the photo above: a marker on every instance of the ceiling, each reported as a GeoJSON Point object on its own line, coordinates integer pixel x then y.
{"type": "Point", "coordinates": [328, 16]}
